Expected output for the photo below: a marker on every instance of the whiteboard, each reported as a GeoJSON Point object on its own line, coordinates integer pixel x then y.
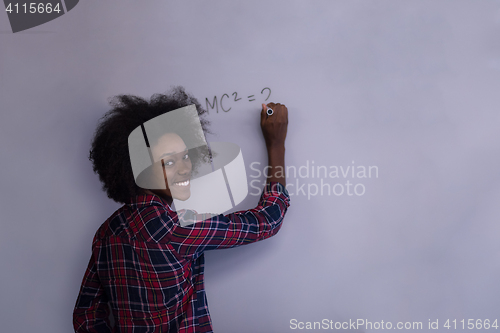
{"type": "Point", "coordinates": [405, 90]}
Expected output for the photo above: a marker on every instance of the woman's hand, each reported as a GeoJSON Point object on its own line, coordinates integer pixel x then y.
{"type": "Point", "coordinates": [274, 129]}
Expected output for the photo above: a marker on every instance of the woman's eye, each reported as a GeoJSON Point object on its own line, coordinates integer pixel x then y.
{"type": "Point", "coordinates": [186, 156]}
{"type": "Point", "coordinates": [169, 163]}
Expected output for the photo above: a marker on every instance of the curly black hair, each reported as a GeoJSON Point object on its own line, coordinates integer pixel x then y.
{"type": "Point", "coordinates": [109, 151]}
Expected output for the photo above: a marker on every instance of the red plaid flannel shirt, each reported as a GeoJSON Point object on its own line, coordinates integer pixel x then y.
{"type": "Point", "coordinates": [148, 269]}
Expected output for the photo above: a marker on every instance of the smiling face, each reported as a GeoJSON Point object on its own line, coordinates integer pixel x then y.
{"type": "Point", "coordinates": [177, 167]}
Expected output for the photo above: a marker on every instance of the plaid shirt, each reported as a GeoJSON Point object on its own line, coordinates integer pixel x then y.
{"type": "Point", "coordinates": [149, 269]}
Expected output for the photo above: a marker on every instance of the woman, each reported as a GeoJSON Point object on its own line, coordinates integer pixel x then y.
{"type": "Point", "coordinates": [145, 267]}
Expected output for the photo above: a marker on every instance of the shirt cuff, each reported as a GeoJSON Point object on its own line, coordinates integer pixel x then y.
{"type": "Point", "coordinates": [276, 189]}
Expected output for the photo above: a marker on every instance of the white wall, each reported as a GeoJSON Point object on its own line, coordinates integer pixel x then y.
{"type": "Point", "coordinates": [409, 87]}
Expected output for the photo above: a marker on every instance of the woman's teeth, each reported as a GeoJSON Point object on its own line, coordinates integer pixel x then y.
{"type": "Point", "coordinates": [186, 183]}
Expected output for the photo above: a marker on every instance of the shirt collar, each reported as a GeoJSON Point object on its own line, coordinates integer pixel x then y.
{"type": "Point", "coordinates": [144, 200]}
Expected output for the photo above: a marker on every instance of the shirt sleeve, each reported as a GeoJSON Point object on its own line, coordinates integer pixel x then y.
{"type": "Point", "coordinates": [91, 313]}
{"type": "Point", "coordinates": [243, 227]}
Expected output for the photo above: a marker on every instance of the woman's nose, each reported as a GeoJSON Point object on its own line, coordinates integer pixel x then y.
{"type": "Point", "coordinates": [184, 167]}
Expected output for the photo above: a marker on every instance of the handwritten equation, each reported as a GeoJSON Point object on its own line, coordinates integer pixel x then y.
{"type": "Point", "coordinates": [225, 100]}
